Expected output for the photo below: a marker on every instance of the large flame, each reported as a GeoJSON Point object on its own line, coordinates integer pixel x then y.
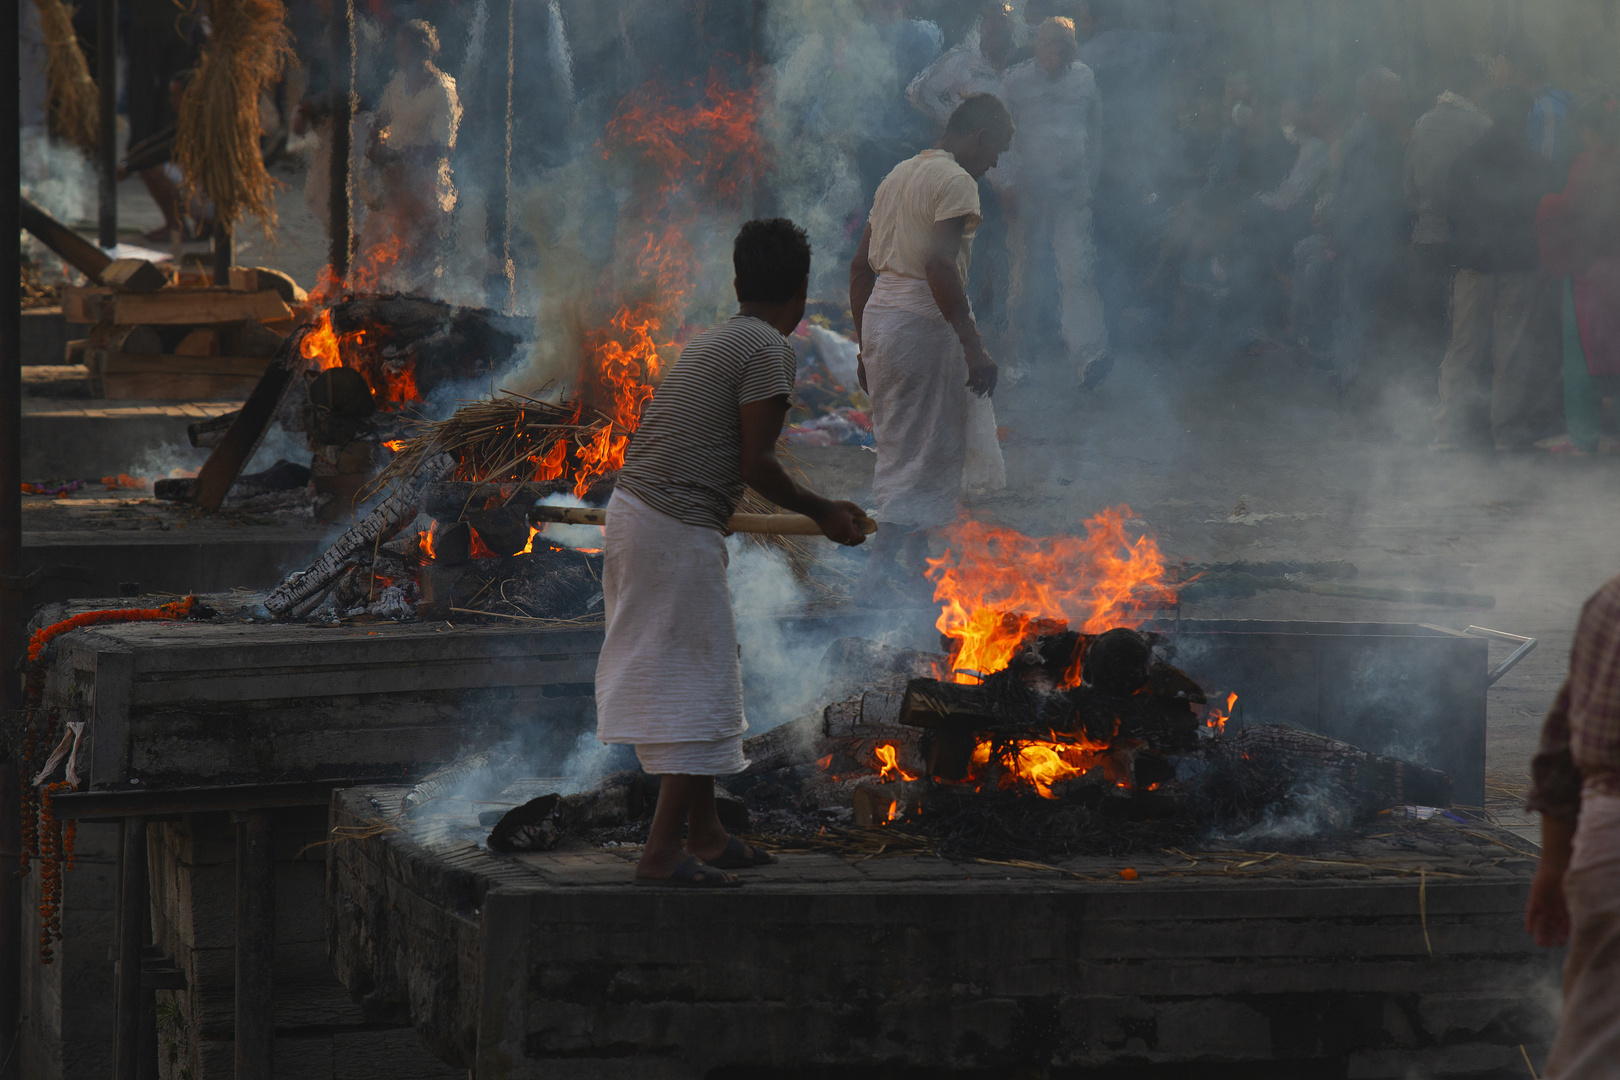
{"type": "Point", "coordinates": [1040, 763]}
{"type": "Point", "coordinates": [993, 583]}
{"type": "Point", "coordinates": [392, 380]}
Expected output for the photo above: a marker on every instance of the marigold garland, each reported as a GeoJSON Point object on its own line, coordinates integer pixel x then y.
{"type": "Point", "coordinates": [180, 609]}
{"type": "Point", "coordinates": [45, 837]}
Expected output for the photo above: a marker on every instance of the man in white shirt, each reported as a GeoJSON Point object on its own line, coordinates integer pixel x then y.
{"type": "Point", "coordinates": [973, 67]}
{"type": "Point", "coordinates": [1046, 186]}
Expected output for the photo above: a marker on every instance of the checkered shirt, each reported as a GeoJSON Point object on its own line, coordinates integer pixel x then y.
{"type": "Point", "coordinates": [1580, 739]}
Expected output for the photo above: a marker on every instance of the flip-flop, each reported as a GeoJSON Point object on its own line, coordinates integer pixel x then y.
{"type": "Point", "coordinates": [694, 873]}
{"type": "Point", "coordinates": [736, 856]}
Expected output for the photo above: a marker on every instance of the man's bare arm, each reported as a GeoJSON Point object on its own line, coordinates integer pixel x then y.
{"type": "Point", "coordinates": [862, 279]}
{"type": "Point", "coordinates": [950, 293]}
{"type": "Point", "coordinates": [761, 427]}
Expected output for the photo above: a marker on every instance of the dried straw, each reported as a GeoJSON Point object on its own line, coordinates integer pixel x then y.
{"type": "Point", "coordinates": [493, 439]}
{"type": "Point", "coordinates": [217, 142]}
{"type": "Point", "coordinates": [75, 106]}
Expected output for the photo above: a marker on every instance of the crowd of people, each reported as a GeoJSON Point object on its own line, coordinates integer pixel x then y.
{"type": "Point", "coordinates": [1465, 243]}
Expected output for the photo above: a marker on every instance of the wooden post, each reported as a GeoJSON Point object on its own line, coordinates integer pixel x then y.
{"type": "Point", "coordinates": [255, 945]}
{"type": "Point", "coordinates": [13, 609]}
{"type": "Point", "coordinates": [341, 93]}
{"type": "Point", "coordinates": [107, 147]}
{"type": "Point", "coordinates": [133, 928]}
{"type": "Point", "coordinates": [499, 286]}
{"type": "Point", "coordinates": [224, 253]}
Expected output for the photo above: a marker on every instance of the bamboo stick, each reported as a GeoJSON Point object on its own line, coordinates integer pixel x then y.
{"type": "Point", "coordinates": [768, 524]}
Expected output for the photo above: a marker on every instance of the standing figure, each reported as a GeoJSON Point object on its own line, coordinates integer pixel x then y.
{"type": "Point", "coordinates": [908, 296]}
{"type": "Point", "coordinates": [1046, 187]}
{"type": "Point", "coordinates": [1579, 233]}
{"type": "Point", "coordinates": [1367, 223]}
{"type": "Point", "coordinates": [1499, 380]}
{"type": "Point", "coordinates": [668, 680]}
{"type": "Point", "coordinates": [412, 139]}
{"type": "Point", "coordinates": [1575, 896]}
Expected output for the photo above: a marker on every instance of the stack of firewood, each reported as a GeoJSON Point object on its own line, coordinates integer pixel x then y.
{"type": "Point", "coordinates": [152, 338]}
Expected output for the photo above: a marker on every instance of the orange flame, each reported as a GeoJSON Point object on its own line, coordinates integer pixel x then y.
{"type": "Point", "coordinates": [396, 445]}
{"type": "Point", "coordinates": [993, 583]}
{"type": "Point", "coordinates": [480, 550]}
{"type": "Point", "coordinates": [424, 543]}
{"type": "Point", "coordinates": [1040, 764]}
{"type": "Point", "coordinates": [888, 757]}
{"type": "Point", "coordinates": [1215, 716]}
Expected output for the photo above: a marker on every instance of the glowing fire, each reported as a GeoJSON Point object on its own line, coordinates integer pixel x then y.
{"type": "Point", "coordinates": [481, 550]}
{"type": "Point", "coordinates": [396, 445]}
{"type": "Point", "coordinates": [1215, 717]}
{"type": "Point", "coordinates": [994, 583]}
{"type": "Point", "coordinates": [1040, 764]}
{"type": "Point", "coordinates": [424, 543]}
{"type": "Point", "coordinates": [323, 346]}
{"type": "Point", "coordinates": [690, 158]}
{"type": "Point", "coordinates": [889, 759]}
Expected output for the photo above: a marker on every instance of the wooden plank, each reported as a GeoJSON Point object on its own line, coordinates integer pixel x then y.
{"type": "Point", "coordinates": [178, 307]}
{"type": "Point", "coordinates": [158, 386]}
{"type": "Point", "coordinates": [263, 404]}
{"type": "Point", "coordinates": [371, 679]}
{"type": "Point", "coordinates": [259, 278]}
{"type": "Point", "coordinates": [134, 276]}
{"type": "Point", "coordinates": [82, 304]}
{"type": "Point", "coordinates": [240, 367]}
{"type": "Point", "coordinates": [78, 252]}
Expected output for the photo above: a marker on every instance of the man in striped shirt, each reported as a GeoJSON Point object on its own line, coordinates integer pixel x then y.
{"type": "Point", "coordinates": [668, 679]}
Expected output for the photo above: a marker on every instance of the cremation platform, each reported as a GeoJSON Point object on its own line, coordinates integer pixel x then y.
{"type": "Point", "coordinates": [1391, 958]}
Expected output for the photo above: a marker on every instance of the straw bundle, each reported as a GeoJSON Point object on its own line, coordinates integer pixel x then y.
{"type": "Point", "coordinates": [217, 141]}
{"type": "Point", "coordinates": [75, 105]}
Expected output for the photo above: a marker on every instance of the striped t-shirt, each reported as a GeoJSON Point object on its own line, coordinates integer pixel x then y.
{"type": "Point", "coordinates": [685, 460]}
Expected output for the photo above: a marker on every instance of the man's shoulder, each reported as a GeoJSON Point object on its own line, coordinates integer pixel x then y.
{"type": "Point", "coordinates": [737, 337]}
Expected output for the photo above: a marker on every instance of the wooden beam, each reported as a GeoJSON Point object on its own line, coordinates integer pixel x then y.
{"type": "Point", "coordinates": [224, 465]}
{"type": "Point", "coordinates": [72, 248]}
{"type": "Point", "coordinates": [180, 307]}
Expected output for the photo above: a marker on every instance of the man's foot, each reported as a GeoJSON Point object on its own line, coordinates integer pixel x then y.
{"type": "Point", "coordinates": [693, 873]}
{"type": "Point", "coordinates": [740, 856]}
{"type": "Point", "coordinates": [1561, 444]}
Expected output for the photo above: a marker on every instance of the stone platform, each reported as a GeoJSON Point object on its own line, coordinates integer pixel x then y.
{"type": "Point", "coordinates": [1400, 955]}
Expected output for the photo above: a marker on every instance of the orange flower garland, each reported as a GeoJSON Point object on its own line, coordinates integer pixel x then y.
{"type": "Point", "coordinates": [43, 836]}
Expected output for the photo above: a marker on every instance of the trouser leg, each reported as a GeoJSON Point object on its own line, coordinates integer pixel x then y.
{"type": "Point", "coordinates": [1075, 253]}
{"type": "Point", "coordinates": [1020, 250]}
{"type": "Point", "coordinates": [1462, 371]}
{"type": "Point", "coordinates": [1583, 399]}
{"type": "Point", "coordinates": [1523, 378]}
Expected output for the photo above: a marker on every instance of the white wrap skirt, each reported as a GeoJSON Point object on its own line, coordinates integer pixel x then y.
{"type": "Point", "coordinates": [668, 680]}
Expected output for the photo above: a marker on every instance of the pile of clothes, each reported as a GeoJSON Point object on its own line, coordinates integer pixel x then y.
{"type": "Point", "coordinates": [830, 409]}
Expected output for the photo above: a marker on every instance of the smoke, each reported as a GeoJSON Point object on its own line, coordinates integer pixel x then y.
{"type": "Point", "coordinates": [574, 536]}
{"type": "Point", "coordinates": [779, 664]}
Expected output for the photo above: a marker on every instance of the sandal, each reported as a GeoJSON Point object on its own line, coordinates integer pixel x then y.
{"type": "Point", "coordinates": [737, 856]}
{"type": "Point", "coordinates": [694, 873]}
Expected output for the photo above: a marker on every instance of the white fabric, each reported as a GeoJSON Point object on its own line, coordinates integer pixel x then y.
{"type": "Point", "coordinates": [916, 375]}
{"type": "Point", "coordinates": [668, 671]}
{"type": "Point", "coordinates": [983, 469]}
{"type": "Point", "coordinates": [1067, 227]}
{"type": "Point", "coordinates": [940, 87]}
{"type": "Point", "coordinates": [717, 757]}
{"type": "Point", "coordinates": [428, 119]}
{"type": "Point", "coordinates": [1052, 152]}
{"type": "Point", "coordinates": [917, 194]}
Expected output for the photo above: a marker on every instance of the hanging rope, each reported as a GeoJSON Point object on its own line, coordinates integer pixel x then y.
{"type": "Point", "coordinates": [75, 115]}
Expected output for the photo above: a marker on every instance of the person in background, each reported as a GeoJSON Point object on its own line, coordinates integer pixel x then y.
{"type": "Point", "coordinates": [1546, 123]}
{"type": "Point", "coordinates": [188, 216]}
{"type": "Point", "coordinates": [411, 142]}
{"type": "Point", "coordinates": [908, 298]}
{"type": "Point", "coordinates": [975, 67]}
{"type": "Point", "coordinates": [1045, 186]}
{"type": "Point", "coordinates": [1453, 125]}
{"type": "Point", "coordinates": [668, 680]}
{"type": "Point", "coordinates": [1578, 231]}
{"type": "Point", "coordinates": [896, 132]}
{"type": "Point", "coordinates": [1575, 897]}
{"type": "Point", "coordinates": [1367, 221]}
{"type": "Point", "coordinates": [1499, 382]}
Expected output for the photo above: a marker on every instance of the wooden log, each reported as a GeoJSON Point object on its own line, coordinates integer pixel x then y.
{"type": "Point", "coordinates": [1278, 755]}
{"type": "Point", "coordinates": [264, 403]}
{"type": "Point", "coordinates": [1164, 723]}
{"type": "Point", "coordinates": [391, 515]}
{"type": "Point", "coordinates": [250, 338]}
{"type": "Point", "coordinates": [141, 340]}
{"type": "Point", "coordinates": [260, 278]}
{"type": "Point", "coordinates": [126, 377]}
{"type": "Point", "coordinates": [206, 434]}
{"type": "Point", "coordinates": [180, 307]}
{"type": "Point", "coordinates": [203, 341]}
{"type": "Point", "coordinates": [74, 249]}
{"type": "Point", "coordinates": [770, 524]}
{"type": "Point", "coordinates": [81, 304]}
{"type": "Point", "coordinates": [134, 276]}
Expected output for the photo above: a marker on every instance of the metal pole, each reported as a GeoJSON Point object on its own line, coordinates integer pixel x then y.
{"type": "Point", "coordinates": [255, 945]}
{"type": "Point", "coordinates": [134, 927]}
{"type": "Point", "coordinates": [107, 149]}
{"type": "Point", "coordinates": [13, 610]}
{"type": "Point", "coordinates": [341, 93]}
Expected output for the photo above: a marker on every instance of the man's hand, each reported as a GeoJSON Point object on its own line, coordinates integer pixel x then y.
{"type": "Point", "coordinates": [982, 371]}
{"type": "Point", "coordinates": [837, 523]}
{"type": "Point", "coordinates": [1546, 915]}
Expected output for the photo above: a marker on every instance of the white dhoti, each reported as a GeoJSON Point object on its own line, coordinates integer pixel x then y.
{"type": "Point", "coordinates": [668, 679]}
{"type": "Point", "coordinates": [1057, 221]}
{"type": "Point", "coordinates": [916, 377]}
{"type": "Point", "coordinates": [1588, 1043]}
